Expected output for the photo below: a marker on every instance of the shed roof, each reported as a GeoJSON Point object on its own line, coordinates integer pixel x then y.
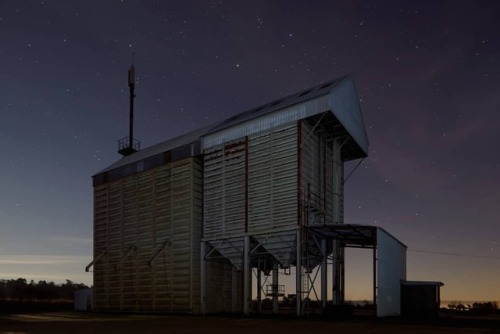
{"type": "Point", "coordinates": [420, 283]}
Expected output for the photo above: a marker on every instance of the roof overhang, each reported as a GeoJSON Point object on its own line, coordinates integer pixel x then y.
{"type": "Point", "coordinates": [351, 235]}
{"type": "Point", "coordinates": [337, 98]}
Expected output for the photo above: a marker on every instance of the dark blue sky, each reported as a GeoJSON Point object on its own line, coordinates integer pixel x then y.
{"type": "Point", "coordinates": [427, 75]}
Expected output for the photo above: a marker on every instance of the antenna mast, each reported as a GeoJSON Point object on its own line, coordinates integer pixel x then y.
{"type": "Point", "coordinates": [127, 145]}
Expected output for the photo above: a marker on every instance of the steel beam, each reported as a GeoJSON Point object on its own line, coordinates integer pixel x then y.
{"type": "Point", "coordinates": [203, 287]}
{"type": "Point", "coordinates": [298, 274]}
{"type": "Point", "coordinates": [275, 288]}
{"type": "Point", "coordinates": [324, 270]}
{"type": "Point", "coordinates": [246, 276]}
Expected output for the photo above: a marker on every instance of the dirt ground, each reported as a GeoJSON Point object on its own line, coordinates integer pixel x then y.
{"type": "Point", "coordinates": [76, 323]}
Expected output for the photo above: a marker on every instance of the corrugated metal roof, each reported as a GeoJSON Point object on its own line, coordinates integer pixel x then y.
{"type": "Point", "coordinates": [338, 97]}
{"type": "Point", "coordinates": [192, 137]}
{"type": "Point", "coordinates": [279, 104]}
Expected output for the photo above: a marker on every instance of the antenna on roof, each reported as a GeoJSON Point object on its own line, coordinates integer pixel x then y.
{"type": "Point", "coordinates": [128, 145]}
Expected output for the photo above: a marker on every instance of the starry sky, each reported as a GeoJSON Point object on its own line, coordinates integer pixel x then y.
{"type": "Point", "coordinates": [427, 75]}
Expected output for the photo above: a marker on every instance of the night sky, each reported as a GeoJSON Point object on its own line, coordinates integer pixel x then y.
{"type": "Point", "coordinates": [427, 75]}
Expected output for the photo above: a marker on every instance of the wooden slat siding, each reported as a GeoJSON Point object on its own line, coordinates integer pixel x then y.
{"type": "Point", "coordinates": [196, 218]}
{"type": "Point", "coordinates": [115, 229]}
{"type": "Point", "coordinates": [100, 245]}
{"type": "Point", "coordinates": [145, 241]}
{"type": "Point", "coordinates": [144, 211]}
{"type": "Point", "coordinates": [213, 193]}
{"type": "Point", "coordinates": [161, 273]}
{"type": "Point", "coordinates": [219, 285]}
{"type": "Point", "coordinates": [272, 175]}
{"type": "Point", "coordinates": [181, 233]}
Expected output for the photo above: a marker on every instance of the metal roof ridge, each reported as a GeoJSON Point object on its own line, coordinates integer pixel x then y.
{"type": "Point", "coordinates": [274, 105]}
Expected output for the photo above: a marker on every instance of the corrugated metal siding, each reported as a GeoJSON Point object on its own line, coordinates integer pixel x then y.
{"type": "Point", "coordinates": [269, 121]}
{"type": "Point", "coordinates": [272, 179]}
{"type": "Point", "coordinates": [224, 189]}
{"type": "Point", "coordinates": [250, 185]}
{"type": "Point", "coordinates": [152, 213]}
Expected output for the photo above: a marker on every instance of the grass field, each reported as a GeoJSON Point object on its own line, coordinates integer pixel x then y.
{"type": "Point", "coordinates": [76, 323]}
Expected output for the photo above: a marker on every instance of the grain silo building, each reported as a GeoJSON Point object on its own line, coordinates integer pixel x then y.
{"type": "Point", "coordinates": [193, 224]}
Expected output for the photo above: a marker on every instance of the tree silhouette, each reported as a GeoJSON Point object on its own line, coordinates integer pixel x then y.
{"type": "Point", "coordinates": [21, 291]}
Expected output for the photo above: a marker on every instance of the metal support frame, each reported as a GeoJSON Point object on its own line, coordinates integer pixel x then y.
{"type": "Point", "coordinates": [158, 252]}
{"type": "Point", "coordinates": [234, 290]}
{"type": "Point", "coordinates": [275, 288]}
{"type": "Point", "coordinates": [337, 181]}
{"type": "Point", "coordinates": [312, 130]}
{"type": "Point", "coordinates": [259, 287]}
{"type": "Point", "coordinates": [246, 276]}
{"type": "Point", "coordinates": [335, 274]}
{"type": "Point", "coordinates": [298, 274]}
{"type": "Point", "coordinates": [203, 285]}
{"type": "Point", "coordinates": [97, 258]}
{"type": "Point", "coordinates": [127, 254]}
{"type": "Point", "coordinates": [324, 271]}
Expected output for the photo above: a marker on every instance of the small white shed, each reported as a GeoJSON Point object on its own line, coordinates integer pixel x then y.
{"type": "Point", "coordinates": [83, 300]}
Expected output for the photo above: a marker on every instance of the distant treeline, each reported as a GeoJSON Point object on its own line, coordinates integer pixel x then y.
{"type": "Point", "coordinates": [474, 308]}
{"type": "Point", "coordinates": [20, 290]}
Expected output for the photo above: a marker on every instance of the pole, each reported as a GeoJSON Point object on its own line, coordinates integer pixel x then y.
{"type": "Point", "coordinates": [298, 274]}
{"type": "Point", "coordinates": [324, 270]}
{"type": "Point", "coordinates": [246, 276]}
{"type": "Point", "coordinates": [234, 288]}
{"type": "Point", "coordinates": [131, 85]}
{"type": "Point", "coordinates": [275, 288]}
{"type": "Point", "coordinates": [259, 288]}
{"type": "Point", "coordinates": [203, 287]}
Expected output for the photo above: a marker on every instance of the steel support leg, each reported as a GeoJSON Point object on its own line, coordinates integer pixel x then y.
{"type": "Point", "coordinates": [298, 276]}
{"type": "Point", "coordinates": [246, 276]}
{"type": "Point", "coordinates": [324, 270]}
{"type": "Point", "coordinates": [234, 290]}
{"type": "Point", "coordinates": [259, 288]}
{"type": "Point", "coordinates": [275, 288]}
{"type": "Point", "coordinates": [203, 287]}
